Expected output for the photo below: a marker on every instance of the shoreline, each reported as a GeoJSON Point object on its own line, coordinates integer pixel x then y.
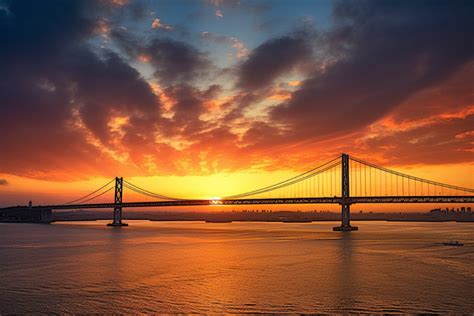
{"type": "Point", "coordinates": [240, 220]}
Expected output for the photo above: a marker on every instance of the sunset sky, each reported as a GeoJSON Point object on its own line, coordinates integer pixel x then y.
{"type": "Point", "coordinates": [208, 98]}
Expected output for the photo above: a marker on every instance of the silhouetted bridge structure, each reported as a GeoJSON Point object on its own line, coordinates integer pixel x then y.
{"type": "Point", "coordinates": [344, 180]}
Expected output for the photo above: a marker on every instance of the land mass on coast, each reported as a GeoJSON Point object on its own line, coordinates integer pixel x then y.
{"type": "Point", "coordinates": [264, 216]}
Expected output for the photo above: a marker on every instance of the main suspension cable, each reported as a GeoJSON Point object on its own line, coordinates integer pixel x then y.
{"type": "Point", "coordinates": [98, 195]}
{"type": "Point", "coordinates": [139, 190]}
{"type": "Point", "coordinates": [86, 196]}
{"type": "Point", "coordinates": [290, 181]}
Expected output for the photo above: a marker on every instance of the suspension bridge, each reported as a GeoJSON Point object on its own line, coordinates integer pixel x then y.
{"type": "Point", "coordinates": [344, 180]}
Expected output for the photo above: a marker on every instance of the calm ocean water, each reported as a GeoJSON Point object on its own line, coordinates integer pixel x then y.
{"type": "Point", "coordinates": [83, 267]}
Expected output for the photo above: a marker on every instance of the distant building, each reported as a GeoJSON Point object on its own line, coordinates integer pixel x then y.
{"type": "Point", "coordinates": [26, 215]}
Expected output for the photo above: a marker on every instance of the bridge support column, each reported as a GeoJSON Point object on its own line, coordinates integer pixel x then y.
{"type": "Point", "coordinates": [345, 198]}
{"type": "Point", "coordinates": [118, 204]}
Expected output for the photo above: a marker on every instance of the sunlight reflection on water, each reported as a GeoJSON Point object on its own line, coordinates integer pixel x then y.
{"type": "Point", "coordinates": [235, 267]}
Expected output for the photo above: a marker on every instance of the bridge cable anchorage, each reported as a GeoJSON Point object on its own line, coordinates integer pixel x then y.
{"type": "Point", "coordinates": [303, 176]}
{"type": "Point", "coordinates": [142, 191]}
{"type": "Point", "coordinates": [86, 196]}
{"type": "Point", "coordinates": [410, 178]}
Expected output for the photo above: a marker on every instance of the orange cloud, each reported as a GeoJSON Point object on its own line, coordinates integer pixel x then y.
{"type": "Point", "coordinates": [294, 83]}
{"type": "Point", "coordinates": [241, 50]}
{"type": "Point", "coordinates": [144, 58]}
{"type": "Point", "coordinates": [102, 27]}
{"type": "Point", "coordinates": [469, 134]}
{"type": "Point", "coordinates": [156, 24]}
{"type": "Point", "coordinates": [280, 95]}
{"type": "Point", "coordinates": [119, 3]}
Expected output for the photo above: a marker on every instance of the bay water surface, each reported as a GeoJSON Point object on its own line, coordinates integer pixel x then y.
{"type": "Point", "coordinates": [385, 267]}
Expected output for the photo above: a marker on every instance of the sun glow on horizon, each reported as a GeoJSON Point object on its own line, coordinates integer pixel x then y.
{"type": "Point", "coordinates": [20, 190]}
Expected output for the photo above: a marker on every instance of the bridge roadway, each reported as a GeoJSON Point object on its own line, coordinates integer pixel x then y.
{"type": "Point", "coordinates": [320, 200]}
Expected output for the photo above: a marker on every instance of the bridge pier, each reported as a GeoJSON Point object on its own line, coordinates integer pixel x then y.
{"type": "Point", "coordinates": [345, 220]}
{"type": "Point", "coordinates": [118, 204]}
{"type": "Point", "coordinates": [345, 198]}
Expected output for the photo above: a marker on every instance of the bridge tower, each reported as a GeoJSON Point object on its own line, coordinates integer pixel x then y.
{"type": "Point", "coordinates": [345, 197]}
{"type": "Point", "coordinates": [118, 203]}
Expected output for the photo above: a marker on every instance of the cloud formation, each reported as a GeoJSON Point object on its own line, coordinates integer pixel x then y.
{"type": "Point", "coordinates": [176, 60]}
{"type": "Point", "coordinates": [60, 102]}
{"type": "Point", "coordinates": [157, 24]}
{"type": "Point", "coordinates": [240, 50]}
{"type": "Point", "coordinates": [219, 13]}
{"type": "Point", "coordinates": [272, 59]}
{"type": "Point", "coordinates": [388, 51]}
{"type": "Point", "coordinates": [427, 143]}
{"type": "Point", "coordinates": [141, 103]}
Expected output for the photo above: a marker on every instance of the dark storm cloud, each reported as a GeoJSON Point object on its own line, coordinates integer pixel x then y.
{"type": "Point", "coordinates": [49, 75]}
{"type": "Point", "coordinates": [3, 182]}
{"type": "Point", "coordinates": [454, 95]}
{"type": "Point", "coordinates": [33, 97]}
{"type": "Point", "coordinates": [272, 59]}
{"type": "Point", "coordinates": [188, 107]}
{"type": "Point", "coordinates": [427, 144]}
{"type": "Point", "coordinates": [110, 87]}
{"type": "Point", "coordinates": [173, 60]}
{"type": "Point", "coordinates": [176, 60]}
{"type": "Point", "coordinates": [388, 51]}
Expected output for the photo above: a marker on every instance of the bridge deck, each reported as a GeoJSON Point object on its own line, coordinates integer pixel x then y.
{"type": "Point", "coordinates": [322, 200]}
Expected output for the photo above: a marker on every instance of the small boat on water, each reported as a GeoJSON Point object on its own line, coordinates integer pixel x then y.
{"type": "Point", "coordinates": [453, 243]}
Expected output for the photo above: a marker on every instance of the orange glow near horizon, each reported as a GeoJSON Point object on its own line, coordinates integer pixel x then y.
{"type": "Point", "coordinates": [216, 186]}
